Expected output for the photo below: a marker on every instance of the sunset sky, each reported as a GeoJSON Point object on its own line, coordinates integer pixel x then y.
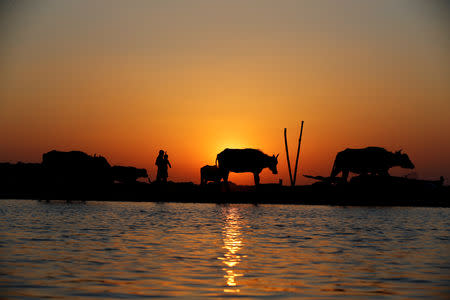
{"type": "Point", "coordinates": [126, 78]}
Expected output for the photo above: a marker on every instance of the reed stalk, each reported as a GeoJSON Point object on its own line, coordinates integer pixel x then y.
{"type": "Point", "coordinates": [287, 157]}
{"type": "Point", "coordinates": [298, 152]}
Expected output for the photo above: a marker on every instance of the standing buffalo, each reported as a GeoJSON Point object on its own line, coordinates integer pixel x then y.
{"type": "Point", "coordinates": [245, 160]}
{"type": "Point", "coordinates": [127, 174]}
{"type": "Point", "coordinates": [76, 168]}
{"type": "Point", "coordinates": [373, 160]}
{"type": "Point", "coordinates": [210, 173]}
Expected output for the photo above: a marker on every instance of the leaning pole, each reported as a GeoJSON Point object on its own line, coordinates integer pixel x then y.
{"type": "Point", "coordinates": [298, 152]}
{"type": "Point", "coordinates": [293, 178]}
{"type": "Point", "coordinates": [287, 158]}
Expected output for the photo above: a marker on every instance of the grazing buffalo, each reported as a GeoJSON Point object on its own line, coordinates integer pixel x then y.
{"type": "Point", "coordinates": [245, 160]}
{"type": "Point", "coordinates": [127, 174]}
{"type": "Point", "coordinates": [370, 160]}
{"type": "Point", "coordinates": [76, 168]}
{"type": "Point", "coordinates": [210, 173]}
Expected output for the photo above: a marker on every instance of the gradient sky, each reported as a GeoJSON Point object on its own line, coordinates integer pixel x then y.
{"type": "Point", "coordinates": [127, 78]}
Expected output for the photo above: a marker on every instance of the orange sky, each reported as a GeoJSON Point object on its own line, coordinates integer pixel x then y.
{"type": "Point", "coordinates": [125, 79]}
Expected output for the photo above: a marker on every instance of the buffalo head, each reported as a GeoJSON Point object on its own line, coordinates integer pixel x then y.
{"type": "Point", "coordinates": [273, 164]}
{"type": "Point", "coordinates": [403, 160]}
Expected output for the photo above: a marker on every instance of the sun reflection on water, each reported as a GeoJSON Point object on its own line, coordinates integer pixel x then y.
{"type": "Point", "coordinates": [232, 241]}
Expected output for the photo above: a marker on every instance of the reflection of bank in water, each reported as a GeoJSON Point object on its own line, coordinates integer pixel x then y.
{"type": "Point", "coordinates": [232, 244]}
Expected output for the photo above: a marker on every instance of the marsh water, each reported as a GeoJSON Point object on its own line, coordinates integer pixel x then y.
{"type": "Point", "coordinates": [130, 250]}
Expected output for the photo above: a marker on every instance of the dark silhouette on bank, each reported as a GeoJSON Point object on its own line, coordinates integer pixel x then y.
{"type": "Point", "coordinates": [76, 169]}
{"type": "Point", "coordinates": [127, 174]}
{"type": "Point", "coordinates": [76, 175]}
{"type": "Point", "coordinates": [69, 174]}
{"type": "Point", "coordinates": [163, 164]}
{"type": "Point", "coordinates": [370, 160]}
{"type": "Point", "coordinates": [21, 177]}
{"type": "Point", "coordinates": [210, 173]}
{"type": "Point", "coordinates": [159, 164]}
{"type": "Point", "coordinates": [245, 160]}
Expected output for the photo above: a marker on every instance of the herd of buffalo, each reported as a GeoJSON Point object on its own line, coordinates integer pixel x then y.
{"type": "Point", "coordinates": [77, 168]}
{"type": "Point", "coordinates": [74, 168]}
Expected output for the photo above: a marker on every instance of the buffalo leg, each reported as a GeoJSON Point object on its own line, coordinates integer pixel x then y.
{"type": "Point", "coordinates": [225, 176]}
{"type": "Point", "coordinates": [225, 179]}
{"type": "Point", "coordinates": [345, 175]}
{"type": "Point", "coordinates": [203, 178]}
{"type": "Point", "coordinates": [334, 172]}
{"type": "Point", "coordinates": [256, 177]}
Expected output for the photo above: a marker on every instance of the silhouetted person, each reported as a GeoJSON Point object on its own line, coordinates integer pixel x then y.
{"type": "Point", "coordinates": [164, 169]}
{"type": "Point", "coordinates": [160, 164]}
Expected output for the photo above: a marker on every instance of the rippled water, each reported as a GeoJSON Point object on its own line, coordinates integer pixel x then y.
{"type": "Point", "coordinates": [129, 250]}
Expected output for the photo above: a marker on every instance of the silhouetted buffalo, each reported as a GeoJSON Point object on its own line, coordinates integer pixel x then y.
{"type": "Point", "coordinates": [245, 160]}
{"type": "Point", "coordinates": [76, 168]}
{"type": "Point", "coordinates": [210, 173]}
{"type": "Point", "coordinates": [128, 174]}
{"type": "Point", "coordinates": [370, 160]}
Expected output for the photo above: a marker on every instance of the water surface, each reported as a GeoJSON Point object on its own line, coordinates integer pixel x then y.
{"type": "Point", "coordinates": [129, 250]}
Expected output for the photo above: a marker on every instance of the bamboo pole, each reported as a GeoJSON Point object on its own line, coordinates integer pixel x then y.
{"type": "Point", "coordinates": [287, 157]}
{"type": "Point", "coordinates": [298, 152]}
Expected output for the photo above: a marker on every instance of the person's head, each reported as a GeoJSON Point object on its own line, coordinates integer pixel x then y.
{"type": "Point", "coordinates": [166, 156]}
{"type": "Point", "coordinates": [161, 152]}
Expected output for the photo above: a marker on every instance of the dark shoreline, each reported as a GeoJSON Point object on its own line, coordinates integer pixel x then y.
{"type": "Point", "coordinates": [76, 175]}
{"type": "Point", "coordinates": [342, 195]}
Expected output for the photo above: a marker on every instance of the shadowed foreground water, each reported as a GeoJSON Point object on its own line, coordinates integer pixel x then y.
{"type": "Point", "coordinates": [130, 250]}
